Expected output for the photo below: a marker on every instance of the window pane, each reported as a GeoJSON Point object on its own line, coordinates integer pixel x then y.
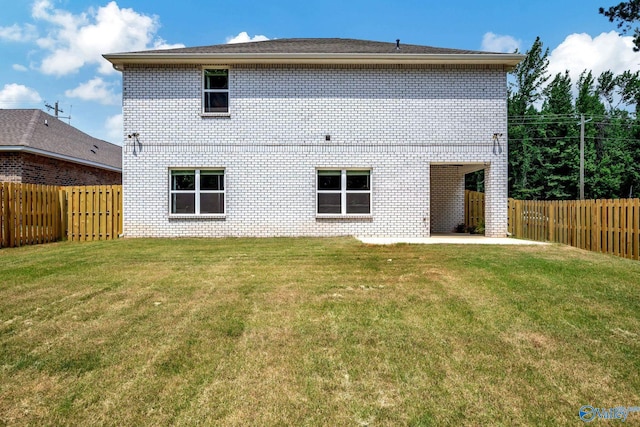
{"type": "Point", "coordinates": [183, 180]}
{"type": "Point", "coordinates": [183, 203]}
{"type": "Point", "coordinates": [216, 79]}
{"type": "Point", "coordinates": [211, 203]}
{"type": "Point", "coordinates": [358, 203]}
{"type": "Point", "coordinates": [329, 203]}
{"type": "Point", "coordinates": [358, 180]}
{"type": "Point", "coordinates": [216, 102]}
{"type": "Point", "coordinates": [329, 180]}
{"type": "Point", "coordinates": [211, 180]}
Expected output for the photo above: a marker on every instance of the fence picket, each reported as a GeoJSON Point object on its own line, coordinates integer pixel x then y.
{"type": "Point", "coordinates": [607, 226]}
{"type": "Point", "coordinates": [33, 214]}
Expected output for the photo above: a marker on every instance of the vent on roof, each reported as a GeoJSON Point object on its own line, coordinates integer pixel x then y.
{"type": "Point", "coordinates": [397, 44]}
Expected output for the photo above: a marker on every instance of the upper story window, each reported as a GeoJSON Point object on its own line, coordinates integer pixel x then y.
{"type": "Point", "coordinates": [215, 92]}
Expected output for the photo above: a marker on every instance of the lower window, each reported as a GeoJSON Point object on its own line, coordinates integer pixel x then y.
{"type": "Point", "coordinates": [197, 192]}
{"type": "Point", "coordinates": [343, 192]}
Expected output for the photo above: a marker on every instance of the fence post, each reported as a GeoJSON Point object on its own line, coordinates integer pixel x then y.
{"type": "Point", "coordinates": [6, 214]}
{"type": "Point", "coordinates": [62, 213]}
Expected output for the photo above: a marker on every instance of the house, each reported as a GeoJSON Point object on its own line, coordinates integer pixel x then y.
{"type": "Point", "coordinates": [37, 148]}
{"type": "Point", "coordinates": [311, 137]}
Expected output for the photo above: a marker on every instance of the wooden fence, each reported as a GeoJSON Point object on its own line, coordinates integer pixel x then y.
{"type": "Point", "coordinates": [32, 214]}
{"type": "Point", "coordinates": [608, 226]}
{"type": "Point", "coordinates": [473, 208]}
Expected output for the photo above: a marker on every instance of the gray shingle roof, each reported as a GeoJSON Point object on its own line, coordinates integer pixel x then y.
{"type": "Point", "coordinates": [309, 45]}
{"type": "Point", "coordinates": [37, 130]}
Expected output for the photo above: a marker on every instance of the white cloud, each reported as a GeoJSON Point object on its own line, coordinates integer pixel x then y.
{"type": "Point", "coordinates": [244, 37]}
{"type": "Point", "coordinates": [14, 95]}
{"type": "Point", "coordinates": [608, 51]}
{"type": "Point", "coordinates": [19, 67]}
{"type": "Point", "coordinates": [16, 33]}
{"type": "Point", "coordinates": [74, 41]}
{"type": "Point", "coordinates": [95, 89]}
{"type": "Point", "coordinates": [498, 43]}
{"type": "Point", "coordinates": [114, 127]}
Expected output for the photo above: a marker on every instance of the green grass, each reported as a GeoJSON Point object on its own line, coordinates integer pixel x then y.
{"type": "Point", "coordinates": [314, 332]}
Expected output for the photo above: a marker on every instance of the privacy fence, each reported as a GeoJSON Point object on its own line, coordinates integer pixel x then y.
{"type": "Point", "coordinates": [473, 208]}
{"type": "Point", "coordinates": [32, 214]}
{"type": "Point", "coordinates": [608, 226]}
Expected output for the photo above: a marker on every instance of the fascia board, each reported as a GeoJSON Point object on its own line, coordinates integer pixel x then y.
{"type": "Point", "coordinates": [120, 60]}
{"type": "Point", "coordinates": [37, 151]}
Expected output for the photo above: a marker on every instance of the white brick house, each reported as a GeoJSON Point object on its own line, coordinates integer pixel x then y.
{"type": "Point", "coordinates": [311, 137]}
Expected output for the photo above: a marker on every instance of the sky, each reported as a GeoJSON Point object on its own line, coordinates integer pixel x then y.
{"type": "Point", "coordinates": [51, 50]}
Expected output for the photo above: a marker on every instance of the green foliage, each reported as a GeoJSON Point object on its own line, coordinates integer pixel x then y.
{"type": "Point", "coordinates": [624, 15]}
{"type": "Point", "coordinates": [544, 132]}
{"type": "Point", "coordinates": [530, 76]}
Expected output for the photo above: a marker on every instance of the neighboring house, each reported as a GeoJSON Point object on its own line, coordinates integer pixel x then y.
{"type": "Point", "coordinates": [37, 148]}
{"type": "Point", "coordinates": [311, 137]}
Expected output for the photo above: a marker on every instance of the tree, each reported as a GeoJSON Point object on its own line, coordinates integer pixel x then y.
{"type": "Point", "coordinates": [544, 132]}
{"type": "Point", "coordinates": [530, 76]}
{"type": "Point", "coordinates": [624, 15]}
{"type": "Point", "coordinates": [559, 150]}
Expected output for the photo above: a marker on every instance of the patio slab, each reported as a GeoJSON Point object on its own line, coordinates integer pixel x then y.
{"type": "Point", "coordinates": [449, 239]}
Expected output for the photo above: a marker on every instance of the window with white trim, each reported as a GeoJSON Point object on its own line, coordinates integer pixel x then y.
{"type": "Point", "coordinates": [197, 192]}
{"type": "Point", "coordinates": [215, 90]}
{"type": "Point", "coordinates": [343, 192]}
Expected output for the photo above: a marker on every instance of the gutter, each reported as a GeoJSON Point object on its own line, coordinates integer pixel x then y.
{"type": "Point", "coordinates": [119, 60]}
{"type": "Point", "coordinates": [39, 152]}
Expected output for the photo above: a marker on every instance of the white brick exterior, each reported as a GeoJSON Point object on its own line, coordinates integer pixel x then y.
{"type": "Point", "coordinates": [397, 121]}
{"type": "Point", "coordinates": [447, 198]}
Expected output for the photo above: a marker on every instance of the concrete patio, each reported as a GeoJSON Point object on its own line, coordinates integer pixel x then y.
{"type": "Point", "coordinates": [450, 239]}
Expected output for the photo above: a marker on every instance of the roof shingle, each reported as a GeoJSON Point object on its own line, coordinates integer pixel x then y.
{"type": "Point", "coordinates": [33, 128]}
{"type": "Point", "coordinates": [315, 45]}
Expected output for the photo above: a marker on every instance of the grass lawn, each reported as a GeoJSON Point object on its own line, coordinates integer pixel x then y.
{"type": "Point", "coordinates": [239, 332]}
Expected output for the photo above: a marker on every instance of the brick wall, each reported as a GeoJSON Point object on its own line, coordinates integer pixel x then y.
{"type": "Point", "coordinates": [447, 198]}
{"type": "Point", "coordinates": [32, 169]}
{"type": "Point", "coordinates": [10, 167]}
{"type": "Point", "coordinates": [394, 120]}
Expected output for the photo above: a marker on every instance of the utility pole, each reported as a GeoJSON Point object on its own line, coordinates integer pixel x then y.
{"type": "Point", "coordinates": [582, 122]}
{"type": "Point", "coordinates": [56, 109]}
{"type": "Point", "coordinates": [581, 156]}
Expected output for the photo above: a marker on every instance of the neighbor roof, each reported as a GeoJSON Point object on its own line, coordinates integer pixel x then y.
{"type": "Point", "coordinates": [37, 132]}
{"type": "Point", "coordinates": [308, 50]}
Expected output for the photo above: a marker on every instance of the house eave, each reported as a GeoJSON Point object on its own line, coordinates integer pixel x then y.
{"type": "Point", "coordinates": [39, 152]}
{"type": "Point", "coordinates": [120, 60]}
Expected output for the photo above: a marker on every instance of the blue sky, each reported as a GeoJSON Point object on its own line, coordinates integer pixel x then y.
{"type": "Point", "coordinates": [51, 49]}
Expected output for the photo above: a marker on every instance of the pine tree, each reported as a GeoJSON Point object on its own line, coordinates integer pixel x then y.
{"type": "Point", "coordinates": [558, 174]}
{"type": "Point", "coordinates": [530, 75]}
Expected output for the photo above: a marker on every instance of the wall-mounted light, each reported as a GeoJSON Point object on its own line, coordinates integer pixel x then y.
{"type": "Point", "coordinates": [136, 141]}
{"type": "Point", "coordinates": [497, 148]}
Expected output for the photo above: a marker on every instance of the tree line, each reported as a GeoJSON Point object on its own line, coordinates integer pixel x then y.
{"type": "Point", "coordinates": [544, 132]}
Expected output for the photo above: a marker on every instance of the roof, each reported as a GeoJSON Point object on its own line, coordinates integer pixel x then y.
{"type": "Point", "coordinates": [318, 51]}
{"type": "Point", "coordinates": [36, 132]}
